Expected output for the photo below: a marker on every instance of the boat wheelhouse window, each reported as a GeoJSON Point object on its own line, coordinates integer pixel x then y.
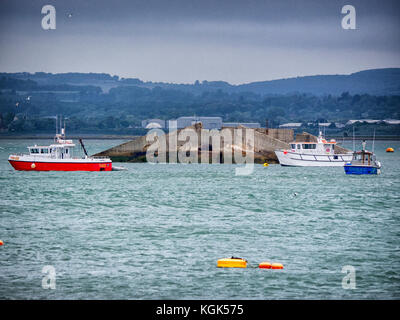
{"type": "Point", "coordinates": [333, 147]}
{"type": "Point", "coordinates": [308, 146]}
{"type": "Point", "coordinates": [45, 150]}
{"type": "Point", "coordinates": [298, 146]}
{"type": "Point", "coordinates": [34, 150]}
{"type": "Point", "coordinates": [293, 146]}
{"type": "Point", "coordinates": [66, 151]}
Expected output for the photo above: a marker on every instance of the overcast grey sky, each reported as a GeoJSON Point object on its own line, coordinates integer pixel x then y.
{"type": "Point", "coordinates": [186, 40]}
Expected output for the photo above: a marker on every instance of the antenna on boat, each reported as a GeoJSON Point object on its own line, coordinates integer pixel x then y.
{"type": "Point", "coordinates": [373, 142]}
{"type": "Point", "coordinates": [60, 124]}
{"type": "Point", "coordinates": [354, 142]}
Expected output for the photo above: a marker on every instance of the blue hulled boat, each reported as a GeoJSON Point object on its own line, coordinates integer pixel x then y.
{"type": "Point", "coordinates": [363, 162]}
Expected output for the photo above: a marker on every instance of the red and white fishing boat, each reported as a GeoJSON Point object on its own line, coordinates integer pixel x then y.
{"type": "Point", "coordinates": [58, 157]}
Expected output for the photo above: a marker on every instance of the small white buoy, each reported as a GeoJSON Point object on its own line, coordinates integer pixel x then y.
{"type": "Point", "coordinates": [33, 166]}
{"type": "Point", "coordinates": [115, 168]}
{"type": "Point", "coordinates": [295, 194]}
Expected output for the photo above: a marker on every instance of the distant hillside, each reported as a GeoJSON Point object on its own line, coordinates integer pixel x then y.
{"type": "Point", "coordinates": [373, 82]}
{"type": "Point", "coordinates": [101, 103]}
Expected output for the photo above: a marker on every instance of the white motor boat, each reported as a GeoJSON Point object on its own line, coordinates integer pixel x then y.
{"type": "Point", "coordinates": [313, 154]}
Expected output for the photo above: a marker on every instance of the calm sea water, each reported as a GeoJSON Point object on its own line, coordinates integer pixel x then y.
{"type": "Point", "coordinates": [157, 231]}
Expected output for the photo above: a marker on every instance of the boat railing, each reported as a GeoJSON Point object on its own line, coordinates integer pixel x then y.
{"type": "Point", "coordinates": [34, 156]}
{"type": "Point", "coordinates": [18, 154]}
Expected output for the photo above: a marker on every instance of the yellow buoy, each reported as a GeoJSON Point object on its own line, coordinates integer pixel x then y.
{"type": "Point", "coordinates": [265, 164]}
{"type": "Point", "coordinates": [265, 265]}
{"type": "Point", "coordinates": [1, 242]}
{"type": "Point", "coordinates": [232, 263]}
{"type": "Point", "coordinates": [277, 266]}
{"type": "Point", "coordinates": [389, 150]}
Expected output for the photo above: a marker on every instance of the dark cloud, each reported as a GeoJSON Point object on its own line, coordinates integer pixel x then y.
{"type": "Point", "coordinates": [157, 11]}
{"type": "Point", "coordinates": [185, 40]}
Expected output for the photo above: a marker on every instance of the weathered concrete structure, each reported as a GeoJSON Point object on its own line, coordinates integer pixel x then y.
{"type": "Point", "coordinates": [285, 135]}
{"type": "Point", "coordinates": [222, 146]}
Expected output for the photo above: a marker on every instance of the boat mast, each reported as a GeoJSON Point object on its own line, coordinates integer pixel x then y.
{"type": "Point", "coordinates": [373, 142]}
{"type": "Point", "coordinates": [57, 128]}
{"type": "Point", "coordinates": [60, 125]}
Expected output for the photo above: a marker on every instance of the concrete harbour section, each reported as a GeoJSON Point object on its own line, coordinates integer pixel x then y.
{"type": "Point", "coordinates": [194, 140]}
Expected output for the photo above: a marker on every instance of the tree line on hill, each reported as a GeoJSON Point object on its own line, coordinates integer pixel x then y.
{"type": "Point", "coordinates": [27, 105]}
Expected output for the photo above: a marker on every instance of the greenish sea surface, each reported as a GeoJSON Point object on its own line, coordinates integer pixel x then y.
{"type": "Point", "coordinates": [157, 231]}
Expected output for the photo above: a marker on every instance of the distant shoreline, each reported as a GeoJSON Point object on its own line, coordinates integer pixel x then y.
{"type": "Point", "coordinates": [82, 136]}
{"type": "Point", "coordinates": [130, 137]}
{"type": "Point", "coordinates": [378, 138]}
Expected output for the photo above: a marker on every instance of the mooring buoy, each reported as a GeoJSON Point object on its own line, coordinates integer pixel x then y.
{"type": "Point", "coordinates": [232, 263]}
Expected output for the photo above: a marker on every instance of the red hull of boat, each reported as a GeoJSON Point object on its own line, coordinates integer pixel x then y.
{"type": "Point", "coordinates": [60, 166]}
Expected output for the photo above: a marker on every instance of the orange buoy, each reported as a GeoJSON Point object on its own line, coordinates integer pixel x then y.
{"type": "Point", "coordinates": [277, 266]}
{"type": "Point", "coordinates": [389, 150]}
{"type": "Point", "coordinates": [1, 242]}
{"type": "Point", "coordinates": [265, 265]}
